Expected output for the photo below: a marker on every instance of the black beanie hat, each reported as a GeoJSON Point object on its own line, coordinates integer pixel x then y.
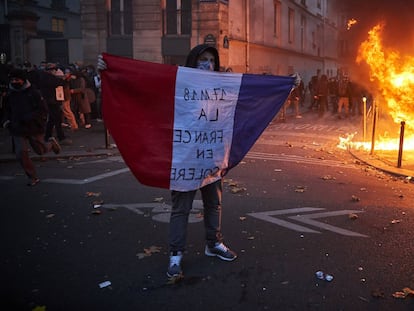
{"type": "Point", "coordinates": [18, 73]}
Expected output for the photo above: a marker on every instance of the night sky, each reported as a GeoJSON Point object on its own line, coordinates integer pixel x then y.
{"type": "Point", "coordinates": [398, 16]}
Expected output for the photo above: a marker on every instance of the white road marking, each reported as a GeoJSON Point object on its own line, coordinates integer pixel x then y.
{"type": "Point", "coordinates": [116, 159]}
{"type": "Point", "coordinates": [85, 180]}
{"type": "Point", "coordinates": [307, 219]}
{"type": "Point", "coordinates": [267, 216]}
{"type": "Point", "coordinates": [160, 211]}
{"type": "Point", "coordinates": [297, 159]}
{"type": "Point", "coordinates": [251, 155]}
{"type": "Point", "coordinates": [6, 177]}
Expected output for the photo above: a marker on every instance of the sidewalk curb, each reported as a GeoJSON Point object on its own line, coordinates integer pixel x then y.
{"type": "Point", "coordinates": [375, 161]}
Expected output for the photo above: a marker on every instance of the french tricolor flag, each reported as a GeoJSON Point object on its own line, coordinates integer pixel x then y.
{"type": "Point", "coordinates": [182, 128]}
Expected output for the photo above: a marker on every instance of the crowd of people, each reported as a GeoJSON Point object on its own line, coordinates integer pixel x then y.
{"type": "Point", "coordinates": [73, 89]}
{"type": "Point", "coordinates": [339, 95]}
{"type": "Point", "coordinates": [38, 102]}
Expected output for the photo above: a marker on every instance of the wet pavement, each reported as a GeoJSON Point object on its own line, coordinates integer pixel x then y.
{"type": "Point", "coordinates": [96, 141]}
{"type": "Point", "coordinates": [64, 251]}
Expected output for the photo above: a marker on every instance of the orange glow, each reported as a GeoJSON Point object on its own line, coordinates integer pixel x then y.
{"type": "Point", "coordinates": [382, 143]}
{"type": "Point", "coordinates": [393, 77]}
{"type": "Point", "coordinates": [393, 74]}
{"type": "Point", "coordinates": [351, 23]}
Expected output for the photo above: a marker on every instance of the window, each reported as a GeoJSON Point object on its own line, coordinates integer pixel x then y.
{"type": "Point", "coordinates": [177, 17]}
{"type": "Point", "coordinates": [277, 19]}
{"type": "Point", "coordinates": [58, 25]}
{"type": "Point", "coordinates": [120, 17]}
{"type": "Point", "coordinates": [302, 32]}
{"type": "Point", "coordinates": [343, 48]}
{"type": "Point", "coordinates": [313, 40]}
{"type": "Point", "coordinates": [58, 4]}
{"type": "Point", "coordinates": [319, 4]}
{"type": "Point", "coordinates": [303, 2]}
{"type": "Point", "coordinates": [291, 26]}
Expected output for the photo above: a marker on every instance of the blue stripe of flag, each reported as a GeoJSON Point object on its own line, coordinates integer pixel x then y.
{"type": "Point", "coordinates": [260, 99]}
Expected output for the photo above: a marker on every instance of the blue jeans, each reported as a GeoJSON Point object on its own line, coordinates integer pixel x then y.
{"type": "Point", "coordinates": [182, 202]}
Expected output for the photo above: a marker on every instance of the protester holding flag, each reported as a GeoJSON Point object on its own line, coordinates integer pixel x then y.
{"type": "Point", "coordinates": [190, 127]}
{"type": "Point", "coordinates": [202, 57]}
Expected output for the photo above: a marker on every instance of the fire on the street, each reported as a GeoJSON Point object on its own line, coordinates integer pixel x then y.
{"type": "Point", "coordinates": [382, 143]}
{"type": "Point", "coordinates": [393, 77]}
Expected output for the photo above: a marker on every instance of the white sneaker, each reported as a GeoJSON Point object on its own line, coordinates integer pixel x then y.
{"type": "Point", "coordinates": [174, 269]}
{"type": "Point", "coordinates": [221, 251]}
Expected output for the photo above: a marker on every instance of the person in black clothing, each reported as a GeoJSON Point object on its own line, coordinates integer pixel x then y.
{"type": "Point", "coordinates": [4, 83]}
{"type": "Point", "coordinates": [90, 76]}
{"type": "Point", "coordinates": [333, 94]}
{"type": "Point", "coordinates": [313, 89]}
{"type": "Point", "coordinates": [322, 94]}
{"type": "Point", "coordinates": [344, 93]}
{"type": "Point", "coordinates": [32, 74]}
{"type": "Point", "coordinates": [48, 82]}
{"type": "Point", "coordinates": [26, 114]}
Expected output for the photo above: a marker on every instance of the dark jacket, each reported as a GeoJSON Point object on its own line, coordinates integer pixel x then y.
{"type": "Point", "coordinates": [26, 110]}
{"type": "Point", "coordinates": [79, 96]}
{"type": "Point", "coordinates": [199, 49]}
{"type": "Point", "coordinates": [47, 86]}
{"type": "Point", "coordinates": [344, 89]}
{"type": "Point", "coordinates": [323, 86]}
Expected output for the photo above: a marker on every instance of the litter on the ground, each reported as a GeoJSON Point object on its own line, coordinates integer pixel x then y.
{"type": "Point", "coordinates": [324, 276]}
{"type": "Point", "coordinates": [104, 284]}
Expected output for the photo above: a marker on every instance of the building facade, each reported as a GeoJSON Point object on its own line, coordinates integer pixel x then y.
{"type": "Point", "coordinates": [252, 36]}
{"type": "Point", "coordinates": [42, 30]}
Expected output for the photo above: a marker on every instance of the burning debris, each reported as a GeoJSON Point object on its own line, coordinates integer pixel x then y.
{"type": "Point", "coordinates": [394, 77]}
{"type": "Point", "coordinates": [351, 23]}
{"type": "Point", "coordinates": [390, 109]}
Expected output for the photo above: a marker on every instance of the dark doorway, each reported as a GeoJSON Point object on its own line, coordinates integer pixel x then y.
{"type": "Point", "coordinates": [57, 51]}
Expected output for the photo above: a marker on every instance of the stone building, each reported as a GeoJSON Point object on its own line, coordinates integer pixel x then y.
{"type": "Point", "coordinates": [256, 36]}
{"type": "Point", "coordinates": [41, 30]}
{"type": "Point", "coordinates": [252, 36]}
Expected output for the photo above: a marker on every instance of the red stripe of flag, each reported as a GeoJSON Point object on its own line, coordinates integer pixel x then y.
{"type": "Point", "coordinates": [139, 114]}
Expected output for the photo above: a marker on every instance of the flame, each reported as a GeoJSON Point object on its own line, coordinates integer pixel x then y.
{"type": "Point", "coordinates": [351, 23]}
{"type": "Point", "coordinates": [393, 75]}
{"type": "Point", "coordinates": [383, 143]}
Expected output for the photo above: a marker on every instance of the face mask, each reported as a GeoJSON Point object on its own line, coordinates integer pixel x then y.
{"type": "Point", "coordinates": [16, 85]}
{"type": "Point", "coordinates": [205, 65]}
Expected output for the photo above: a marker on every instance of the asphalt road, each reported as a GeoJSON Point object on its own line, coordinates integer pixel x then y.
{"type": "Point", "coordinates": [295, 205]}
